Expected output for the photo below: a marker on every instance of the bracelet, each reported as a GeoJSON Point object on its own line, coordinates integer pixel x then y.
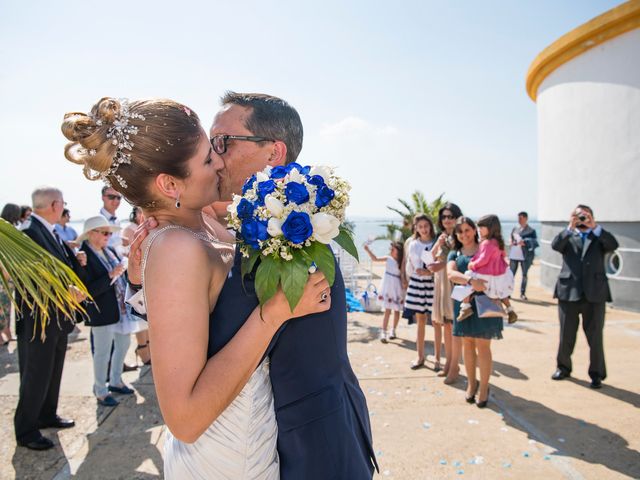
{"type": "Point", "coordinates": [134, 286]}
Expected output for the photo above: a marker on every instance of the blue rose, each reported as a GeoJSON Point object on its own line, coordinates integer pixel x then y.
{"type": "Point", "coordinates": [305, 170]}
{"type": "Point", "coordinates": [253, 230]}
{"type": "Point", "coordinates": [316, 180]}
{"type": "Point", "coordinates": [324, 195]}
{"type": "Point", "coordinates": [248, 184]}
{"type": "Point", "coordinates": [296, 193]}
{"type": "Point", "coordinates": [265, 188]}
{"type": "Point", "coordinates": [245, 209]}
{"type": "Point", "coordinates": [293, 165]}
{"type": "Point", "coordinates": [278, 172]}
{"type": "Point", "coordinates": [297, 227]}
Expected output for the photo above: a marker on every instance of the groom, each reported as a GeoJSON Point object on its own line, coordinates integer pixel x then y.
{"type": "Point", "coordinates": [323, 421]}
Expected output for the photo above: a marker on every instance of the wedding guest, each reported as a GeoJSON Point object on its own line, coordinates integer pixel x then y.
{"type": "Point", "coordinates": [525, 239]}
{"type": "Point", "coordinates": [490, 265]}
{"type": "Point", "coordinates": [391, 292]}
{"type": "Point", "coordinates": [476, 332]}
{"type": "Point", "coordinates": [419, 297]}
{"type": "Point", "coordinates": [582, 290]}
{"type": "Point", "coordinates": [10, 213]}
{"type": "Point", "coordinates": [442, 315]}
{"type": "Point", "coordinates": [136, 217]}
{"type": "Point", "coordinates": [404, 280]}
{"type": "Point", "coordinates": [41, 361]}
{"type": "Point", "coordinates": [25, 213]}
{"type": "Point", "coordinates": [108, 317]}
{"type": "Point", "coordinates": [111, 200]}
{"type": "Point", "coordinates": [66, 232]}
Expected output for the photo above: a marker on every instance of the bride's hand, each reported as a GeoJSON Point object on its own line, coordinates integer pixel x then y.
{"type": "Point", "coordinates": [315, 298]}
{"type": "Point", "coordinates": [135, 253]}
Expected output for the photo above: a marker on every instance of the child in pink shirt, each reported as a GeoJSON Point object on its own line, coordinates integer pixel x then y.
{"type": "Point", "coordinates": [489, 264]}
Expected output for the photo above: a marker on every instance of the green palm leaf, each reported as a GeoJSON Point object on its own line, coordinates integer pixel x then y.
{"type": "Point", "coordinates": [41, 280]}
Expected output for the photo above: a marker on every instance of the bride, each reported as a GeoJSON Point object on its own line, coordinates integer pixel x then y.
{"type": "Point", "coordinates": [218, 406]}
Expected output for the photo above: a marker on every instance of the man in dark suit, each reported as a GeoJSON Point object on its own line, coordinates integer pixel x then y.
{"type": "Point", "coordinates": [582, 289]}
{"type": "Point", "coordinates": [41, 361]}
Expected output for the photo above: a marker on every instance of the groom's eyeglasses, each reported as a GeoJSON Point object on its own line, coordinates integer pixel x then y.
{"type": "Point", "coordinates": [219, 142]}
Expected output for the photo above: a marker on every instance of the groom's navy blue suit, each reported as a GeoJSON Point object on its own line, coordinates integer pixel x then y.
{"type": "Point", "coordinates": [323, 421]}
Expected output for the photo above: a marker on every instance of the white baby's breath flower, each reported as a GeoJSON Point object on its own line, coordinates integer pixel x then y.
{"type": "Point", "coordinates": [262, 177]}
{"type": "Point", "coordinates": [295, 176]}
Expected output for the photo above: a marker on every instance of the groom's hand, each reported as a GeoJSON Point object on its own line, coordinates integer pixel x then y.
{"type": "Point", "coordinates": [135, 254]}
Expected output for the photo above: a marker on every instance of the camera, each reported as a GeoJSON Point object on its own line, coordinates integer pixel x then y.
{"type": "Point", "coordinates": [582, 218]}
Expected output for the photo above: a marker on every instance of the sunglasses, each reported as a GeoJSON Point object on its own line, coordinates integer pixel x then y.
{"type": "Point", "coordinates": [448, 217]}
{"type": "Point", "coordinates": [219, 142]}
{"type": "Point", "coordinates": [110, 196]}
{"type": "Point", "coordinates": [106, 233]}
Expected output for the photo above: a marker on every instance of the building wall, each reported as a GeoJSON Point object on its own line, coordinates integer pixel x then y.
{"type": "Point", "coordinates": [589, 152]}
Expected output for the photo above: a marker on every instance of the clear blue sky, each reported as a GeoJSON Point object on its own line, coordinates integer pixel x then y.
{"type": "Point", "coordinates": [419, 95]}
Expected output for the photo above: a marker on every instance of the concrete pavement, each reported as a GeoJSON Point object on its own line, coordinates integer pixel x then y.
{"type": "Point", "coordinates": [533, 428]}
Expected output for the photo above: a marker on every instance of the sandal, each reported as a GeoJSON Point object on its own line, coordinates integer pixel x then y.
{"type": "Point", "coordinates": [415, 365]}
{"type": "Point", "coordinates": [437, 367]}
{"type": "Point", "coordinates": [140, 356]}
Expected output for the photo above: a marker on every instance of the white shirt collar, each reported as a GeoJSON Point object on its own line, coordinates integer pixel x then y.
{"type": "Point", "coordinates": [43, 221]}
{"type": "Point", "coordinates": [108, 216]}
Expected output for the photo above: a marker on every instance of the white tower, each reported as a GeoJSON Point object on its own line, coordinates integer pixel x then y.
{"type": "Point", "coordinates": [587, 89]}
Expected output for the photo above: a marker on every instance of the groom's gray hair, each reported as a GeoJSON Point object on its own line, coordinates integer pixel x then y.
{"type": "Point", "coordinates": [270, 117]}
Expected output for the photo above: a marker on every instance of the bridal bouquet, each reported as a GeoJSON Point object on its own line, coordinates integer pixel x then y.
{"type": "Point", "coordinates": [286, 217]}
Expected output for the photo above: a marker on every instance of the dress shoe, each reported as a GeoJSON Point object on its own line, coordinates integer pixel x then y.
{"type": "Point", "coordinates": [472, 398]}
{"type": "Point", "coordinates": [42, 443]}
{"type": "Point", "coordinates": [58, 422]}
{"type": "Point", "coordinates": [108, 401]}
{"type": "Point", "coordinates": [560, 374]}
{"type": "Point", "coordinates": [596, 384]}
{"type": "Point", "coordinates": [123, 390]}
{"type": "Point", "coordinates": [483, 404]}
{"type": "Point", "coordinates": [129, 368]}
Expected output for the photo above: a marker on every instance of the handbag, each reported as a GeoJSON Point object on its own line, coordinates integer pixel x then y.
{"type": "Point", "coordinates": [516, 253]}
{"type": "Point", "coordinates": [488, 307]}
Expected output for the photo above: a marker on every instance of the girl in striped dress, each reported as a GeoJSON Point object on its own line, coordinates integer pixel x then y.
{"type": "Point", "coordinates": [419, 298]}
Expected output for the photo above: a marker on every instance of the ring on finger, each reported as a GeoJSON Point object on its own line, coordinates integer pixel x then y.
{"type": "Point", "coordinates": [324, 296]}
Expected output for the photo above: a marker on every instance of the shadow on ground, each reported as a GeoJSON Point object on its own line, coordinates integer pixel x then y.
{"type": "Point", "coordinates": [569, 436]}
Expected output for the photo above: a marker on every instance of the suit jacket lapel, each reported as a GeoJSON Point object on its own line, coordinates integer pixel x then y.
{"type": "Point", "coordinates": [53, 247]}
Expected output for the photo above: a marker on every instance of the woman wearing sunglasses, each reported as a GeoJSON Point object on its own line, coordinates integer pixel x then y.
{"type": "Point", "coordinates": [108, 317]}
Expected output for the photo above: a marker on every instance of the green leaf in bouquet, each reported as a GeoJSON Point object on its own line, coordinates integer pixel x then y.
{"type": "Point", "coordinates": [267, 278]}
{"type": "Point", "coordinates": [345, 240]}
{"type": "Point", "coordinates": [248, 263]}
{"type": "Point", "coordinates": [323, 257]}
{"type": "Point", "coordinates": [294, 275]}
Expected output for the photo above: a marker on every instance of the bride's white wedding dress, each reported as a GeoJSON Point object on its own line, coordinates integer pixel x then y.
{"type": "Point", "coordinates": [240, 444]}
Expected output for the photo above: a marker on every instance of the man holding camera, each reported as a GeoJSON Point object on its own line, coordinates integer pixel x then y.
{"type": "Point", "coordinates": [582, 289]}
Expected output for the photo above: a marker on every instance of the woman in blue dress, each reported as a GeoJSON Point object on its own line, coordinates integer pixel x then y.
{"type": "Point", "coordinates": [476, 332]}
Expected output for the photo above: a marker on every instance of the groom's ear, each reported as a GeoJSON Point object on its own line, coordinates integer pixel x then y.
{"type": "Point", "coordinates": [278, 154]}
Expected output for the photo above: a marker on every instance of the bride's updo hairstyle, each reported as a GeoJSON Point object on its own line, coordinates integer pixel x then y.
{"type": "Point", "coordinates": [128, 144]}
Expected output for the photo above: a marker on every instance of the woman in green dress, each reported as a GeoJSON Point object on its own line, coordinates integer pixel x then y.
{"type": "Point", "coordinates": [476, 332]}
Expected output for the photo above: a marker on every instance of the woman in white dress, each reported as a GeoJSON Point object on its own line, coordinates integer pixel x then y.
{"type": "Point", "coordinates": [219, 410]}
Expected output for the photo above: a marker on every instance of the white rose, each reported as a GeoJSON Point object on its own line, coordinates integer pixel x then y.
{"type": "Point", "coordinates": [274, 227]}
{"type": "Point", "coordinates": [262, 177]}
{"type": "Point", "coordinates": [324, 172]}
{"type": "Point", "coordinates": [325, 227]}
{"type": "Point", "coordinates": [275, 206]}
{"type": "Point", "coordinates": [233, 206]}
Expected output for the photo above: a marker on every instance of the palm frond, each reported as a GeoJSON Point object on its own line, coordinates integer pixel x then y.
{"type": "Point", "coordinates": [41, 280]}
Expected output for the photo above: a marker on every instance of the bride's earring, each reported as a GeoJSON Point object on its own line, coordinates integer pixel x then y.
{"type": "Point", "coordinates": [178, 201]}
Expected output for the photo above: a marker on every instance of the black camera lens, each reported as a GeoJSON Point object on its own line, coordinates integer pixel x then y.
{"type": "Point", "coordinates": [582, 218]}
